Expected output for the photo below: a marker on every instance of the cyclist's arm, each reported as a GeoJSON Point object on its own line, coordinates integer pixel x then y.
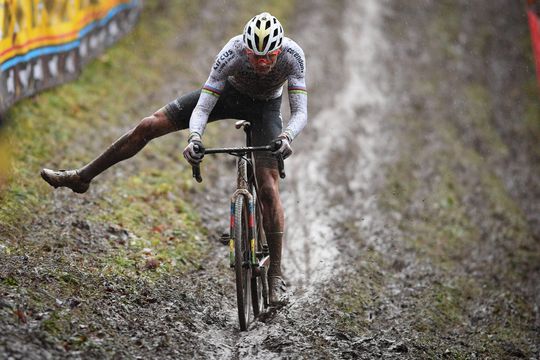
{"type": "Point", "coordinates": [212, 88]}
{"type": "Point", "coordinates": [297, 95]}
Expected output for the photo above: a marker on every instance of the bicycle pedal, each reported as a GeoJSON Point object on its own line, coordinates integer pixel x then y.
{"type": "Point", "coordinates": [224, 238]}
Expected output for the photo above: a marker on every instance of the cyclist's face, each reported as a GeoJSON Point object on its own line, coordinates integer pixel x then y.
{"type": "Point", "coordinates": [263, 63]}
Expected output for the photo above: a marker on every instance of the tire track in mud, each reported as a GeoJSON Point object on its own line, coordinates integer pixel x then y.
{"type": "Point", "coordinates": [341, 159]}
{"type": "Point", "coordinates": [322, 188]}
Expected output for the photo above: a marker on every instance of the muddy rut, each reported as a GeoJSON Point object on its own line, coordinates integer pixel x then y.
{"type": "Point", "coordinates": [330, 179]}
{"type": "Point", "coordinates": [401, 226]}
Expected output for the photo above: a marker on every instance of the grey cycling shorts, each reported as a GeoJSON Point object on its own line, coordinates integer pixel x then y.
{"type": "Point", "coordinates": [264, 115]}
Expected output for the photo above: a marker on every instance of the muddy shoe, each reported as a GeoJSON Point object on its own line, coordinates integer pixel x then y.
{"type": "Point", "coordinates": [277, 290]}
{"type": "Point", "coordinates": [67, 178]}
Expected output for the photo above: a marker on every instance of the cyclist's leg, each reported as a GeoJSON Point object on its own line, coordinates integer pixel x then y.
{"type": "Point", "coordinates": [174, 116]}
{"type": "Point", "coordinates": [129, 144]}
{"type": "Point", "coordinates": [266, 128]}
{"type": "Point", "coordinates": [272, 212]}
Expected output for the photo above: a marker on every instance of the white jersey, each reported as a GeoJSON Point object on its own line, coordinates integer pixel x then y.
{"type": "Point", "coordinates": [232, 65]}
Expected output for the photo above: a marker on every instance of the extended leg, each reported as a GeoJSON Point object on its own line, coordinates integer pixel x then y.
{"type": "Point", "coordinates": [125, 147]}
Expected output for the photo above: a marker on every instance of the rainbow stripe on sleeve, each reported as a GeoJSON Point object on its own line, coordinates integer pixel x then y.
{"type": "Point", "coordinates": [207, 89]}
{"type": "Point", "coordinates": [297, 90]}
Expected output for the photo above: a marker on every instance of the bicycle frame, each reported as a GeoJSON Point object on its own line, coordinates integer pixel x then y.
{"type": "Point", "coordinates": [250, 243]}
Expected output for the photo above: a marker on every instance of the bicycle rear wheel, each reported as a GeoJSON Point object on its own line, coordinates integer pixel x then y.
{"type": "Point", "coordinates": [259, 284]}
{"type": "Point", "coordinates": [242, 267]}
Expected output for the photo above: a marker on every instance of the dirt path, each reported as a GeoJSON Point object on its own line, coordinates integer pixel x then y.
{"type": "Point", "coordinates": [322, 175]}
{"type": "Point", "coordinates": [407, 235]}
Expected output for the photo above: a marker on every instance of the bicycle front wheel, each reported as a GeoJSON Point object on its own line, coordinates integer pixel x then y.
{"type": "Point", "coordinates": [242, 264]}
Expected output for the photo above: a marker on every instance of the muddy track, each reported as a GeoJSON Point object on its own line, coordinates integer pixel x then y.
{"type": "Point", "coordinates": [401, 217]}
{"type": "Point", "coordinates": [322, 176]}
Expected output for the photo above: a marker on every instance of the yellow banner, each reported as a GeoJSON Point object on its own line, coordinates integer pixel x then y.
{"type": "Point", "coordinates": [44, 42]}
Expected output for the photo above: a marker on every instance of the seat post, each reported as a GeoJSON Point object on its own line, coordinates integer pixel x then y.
{"type": "Point", "coordinates": [247, 130]}
{"type": "Point", "coordinates": [246, 125]}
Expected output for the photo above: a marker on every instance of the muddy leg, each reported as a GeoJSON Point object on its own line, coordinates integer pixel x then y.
{"type": "Point", "coordinates": [128, 144]}
{"type": "Point", "coordinates": [125, 147]}
{"type": "Point", "coordinates": [273, 218]}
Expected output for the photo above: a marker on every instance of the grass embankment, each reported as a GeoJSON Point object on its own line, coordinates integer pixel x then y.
{"type": "Point", "coordinates": [57, 129]}
{"type": "Point", "coordinates": [449, 203]}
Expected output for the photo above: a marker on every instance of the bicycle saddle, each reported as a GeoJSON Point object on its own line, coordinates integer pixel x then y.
{"type": "Point", "coordinates": [242, 123]}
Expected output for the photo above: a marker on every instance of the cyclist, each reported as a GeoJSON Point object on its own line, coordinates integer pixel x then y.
{"type": "Point", "coordinates": [245, 82]}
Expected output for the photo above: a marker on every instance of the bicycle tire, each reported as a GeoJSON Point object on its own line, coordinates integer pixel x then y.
{"type": "Point", "coordinates": [259, 284]}
{"type": "Point", "coordinates": [243, 273]}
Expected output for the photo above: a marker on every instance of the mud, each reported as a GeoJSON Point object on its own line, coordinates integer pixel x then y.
{"type": "Point", "coordinates": [409, 233]}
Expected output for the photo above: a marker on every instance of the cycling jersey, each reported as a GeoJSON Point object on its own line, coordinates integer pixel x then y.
{"type": "Point", "coordinates": [232, 65]}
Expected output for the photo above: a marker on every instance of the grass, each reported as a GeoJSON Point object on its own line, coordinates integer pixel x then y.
{"type": "Point", "coordinates": [46, 127]}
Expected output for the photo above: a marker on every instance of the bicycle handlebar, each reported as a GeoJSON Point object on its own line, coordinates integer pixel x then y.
{"type": "Point", "coordinates": [238, 151]}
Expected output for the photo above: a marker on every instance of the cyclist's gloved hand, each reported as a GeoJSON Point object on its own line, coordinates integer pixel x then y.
{"type": "Point", "coordinates": [194, 151]}
{"type": "Point", "coordinates": [282, 145]}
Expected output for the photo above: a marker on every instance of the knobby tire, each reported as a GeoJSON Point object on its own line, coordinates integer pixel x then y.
{"type": "Point", "coordinates": [258, 296]}
{"type": "Point", "coordinates": [243, 274]}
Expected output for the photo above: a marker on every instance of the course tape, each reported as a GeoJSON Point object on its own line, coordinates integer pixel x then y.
{"type": "Point", "coordinates": [46, 43]}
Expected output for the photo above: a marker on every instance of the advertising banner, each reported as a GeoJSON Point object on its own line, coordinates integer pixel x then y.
{"type": "Point", "coordinates": [46, 42]}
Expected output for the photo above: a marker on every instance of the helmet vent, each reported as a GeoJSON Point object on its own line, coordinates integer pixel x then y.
{"type": "Point", "coordinates": [275, 33]}
{"type": "Point", "coordinates": [265, 42]}
{"type": "Point", "coordinates": [257, 42]}
{"type": "Point", "coordinates": [268, 23]}
{"type": "Point", "coordinates": [273, 44]}
{"type": "Point", "coordinates": [250, 45]}
{"type": "Point", "coordinates": [258, 23]}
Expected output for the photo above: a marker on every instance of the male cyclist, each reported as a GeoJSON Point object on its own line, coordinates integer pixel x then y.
{"type": "Point", "coordinates": [245, 82]}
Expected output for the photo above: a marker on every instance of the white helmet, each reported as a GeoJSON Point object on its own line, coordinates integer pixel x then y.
{"type": "Point", "coordinates": [263, 34]}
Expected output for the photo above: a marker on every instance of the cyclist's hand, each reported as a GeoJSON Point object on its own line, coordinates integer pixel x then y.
{"type": "Point", "coordinates": [282, 146]}
{"type": "Point", "coordinates": [194, 151]}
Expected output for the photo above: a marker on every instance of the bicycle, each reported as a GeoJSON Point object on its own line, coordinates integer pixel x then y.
{"type": "Point", "coordinates": [248, 250]}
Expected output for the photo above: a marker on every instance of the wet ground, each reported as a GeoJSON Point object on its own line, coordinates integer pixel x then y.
{"type": "Point", "coordinates": [412, 222]}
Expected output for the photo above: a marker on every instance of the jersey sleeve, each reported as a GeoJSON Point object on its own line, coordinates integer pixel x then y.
{"type": "Point", "coordinates": [212, 88]}
{"type": "Point", "coordinates": [297, 93]}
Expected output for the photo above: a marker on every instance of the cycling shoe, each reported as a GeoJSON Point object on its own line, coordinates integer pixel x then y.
{"type": "Point", "coordinates": [277, 290]}
{"type": "Point", "coordinates": [65, 178]}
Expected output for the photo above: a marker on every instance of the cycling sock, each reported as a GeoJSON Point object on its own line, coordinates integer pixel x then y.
{"type": "Point", "coordinates": [275, 242]}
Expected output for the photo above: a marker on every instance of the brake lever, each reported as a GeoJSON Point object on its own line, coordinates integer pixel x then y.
{"type": "Point", "coordinates": [196, 169]}
{"type": "Point", "coordinates": [281, 166]}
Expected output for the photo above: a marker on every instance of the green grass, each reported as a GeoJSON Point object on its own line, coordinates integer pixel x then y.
{"type": "Point", "coordinates": [45, 128]}
{"type": "Point", "coordinates": [58, 127]}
